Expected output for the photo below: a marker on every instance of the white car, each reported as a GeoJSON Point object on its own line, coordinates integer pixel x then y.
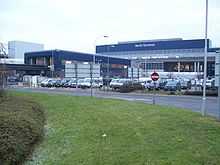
{"type": "Point", "coordinates": [117, 83]}
{"type": "Point", "coordinates": [150, 84]}
{"type": "Point", "coordinates": [45, 82]}
{"type": "Point", "coordinates": [86, 83]}
{"type": "Point", "coordinates": [114, 83]}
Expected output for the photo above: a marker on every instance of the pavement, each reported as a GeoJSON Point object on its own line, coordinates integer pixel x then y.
{"type": "Point", "coordinates": [192, 103]}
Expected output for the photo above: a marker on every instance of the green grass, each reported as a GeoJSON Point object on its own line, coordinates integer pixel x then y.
{"type": "Point", "coordinates": [136, 133]}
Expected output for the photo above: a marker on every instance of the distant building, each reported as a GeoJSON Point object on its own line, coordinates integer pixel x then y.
{"type": "Point", "coordinates": [56, 60]}
{"type": "Point", "coordinates": [16, 49]}
{"type": "Point", "coordinates": [165, 55]}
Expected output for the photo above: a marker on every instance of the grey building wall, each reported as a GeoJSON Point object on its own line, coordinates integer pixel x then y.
{"type": "Point", "coordinates": [16, 49]}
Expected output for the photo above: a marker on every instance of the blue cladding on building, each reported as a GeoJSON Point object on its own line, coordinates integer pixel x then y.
{"type": "Point", "coordinates": [60, 55]}
{"type": "Point", "coordinates": [153, 45]}
{"type": "Point", "coordinates": [213, 49]}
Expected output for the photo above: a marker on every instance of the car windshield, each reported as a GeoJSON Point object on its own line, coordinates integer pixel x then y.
{"type": "Point", "coordinates": [81, 80]}
{"type": "Point", "coordinates": [65, 80]}
{"type": "Point", "coordinates": [115, 80]}
{"type": "Point", "coordinates": [45, 80]}
{"type": "Point", "coordinates": [72, 81]}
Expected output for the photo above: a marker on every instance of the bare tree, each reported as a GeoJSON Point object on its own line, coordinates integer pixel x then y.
{"type": "Point", "coordinates": [3, 69]}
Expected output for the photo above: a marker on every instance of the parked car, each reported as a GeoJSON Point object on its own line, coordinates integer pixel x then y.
{"type": "Point", "coordinates": [147, 84]}
{"type": "Point", "coordinates": [172, 85]}
{"type": "Point", "coordinates": [143, 80]}
{"type": "Point", "coordinates": [210, 84]}
{"type": "Point", "coordinates": [45, 82]}
{"type": "Point", "coordinates": [80, 83]}
{"type": "Point", "coordinates": [12, 80]}
{"type": "Point", "coordinates": [71, 83]}
{"type": "Point", "coordinates": [51, 83]}
{"type": "Point", "coordinates": [57, 83]}
{"type": "Point", "coordinates": [129, 86]}
{"type": "Point", "coordinates": [162, 83]}
{"type": "Point", "coordinates": [118, 83]}
{"type": "Point", "coordinates": [64, 82]}
{"type": "Point", "coordinates": [114, 83]}
{"type": "Point", "coordinates": [97, 82]}
{"type": "Point", "coordinates": [86, 83]}
{"type": "Point", "coordinates": [150, 85]}
{"type": "Point", "coordinates": [185, 83]}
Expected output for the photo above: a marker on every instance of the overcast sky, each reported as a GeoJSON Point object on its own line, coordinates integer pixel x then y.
{"type": "Point", "coordinates": [80, 24]}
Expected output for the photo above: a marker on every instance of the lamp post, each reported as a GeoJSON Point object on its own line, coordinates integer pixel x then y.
{"type": "Point", "coordinates": [218, 62]}
{"type": "Point", "coordinates": [93, 63]}
{"type": "Point", "coordinates": [145, 65]}
{"type": "Point", "coordinates": [132, 68]}
{"type": "Point", "coordinates": [52, 64]}
{"type": "Point", "coordinates": [203, 108]}
{"type": "Point", "coordinates": [108, 75]}
{"type": "Point", "coordinates": [91, 75]}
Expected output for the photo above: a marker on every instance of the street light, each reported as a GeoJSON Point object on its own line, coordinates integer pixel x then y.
{"type": "Point", "coordinates": [203, 108]}
{"type": "Point", "coordinates": [218, 53]}
{"type": "Point", "coordinates": [145, 66]}
{"type": "Point", "coordinates": [93, 63]}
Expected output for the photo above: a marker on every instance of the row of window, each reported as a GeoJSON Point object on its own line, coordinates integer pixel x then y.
{"type": "Point", "coordinates": [168, 51]}
{"type": "Point", "coordinates": [152, 66]}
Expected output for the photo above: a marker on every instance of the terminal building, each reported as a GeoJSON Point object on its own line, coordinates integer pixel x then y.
{"type": "Point", "coordinates": [57, 59]}
{"type": "Point", "coordinates": [165, 55]}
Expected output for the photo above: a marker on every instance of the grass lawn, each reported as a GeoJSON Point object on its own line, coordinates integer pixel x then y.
{"type": "Point", "coordinates": [85, 131]}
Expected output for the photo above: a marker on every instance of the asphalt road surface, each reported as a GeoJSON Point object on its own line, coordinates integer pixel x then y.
{"type": "Point", "coordinates": [187, 102]}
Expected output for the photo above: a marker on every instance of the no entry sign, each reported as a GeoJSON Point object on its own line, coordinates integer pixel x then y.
{"type": "Point", "coordinates": [155, 76]}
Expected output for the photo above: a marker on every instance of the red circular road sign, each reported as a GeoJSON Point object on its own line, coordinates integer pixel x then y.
{"type": "Point", "coordinates": [155, 76]}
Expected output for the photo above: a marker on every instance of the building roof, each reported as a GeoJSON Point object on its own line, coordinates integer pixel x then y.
{"type": "Point", "coordinates": [153, 45]}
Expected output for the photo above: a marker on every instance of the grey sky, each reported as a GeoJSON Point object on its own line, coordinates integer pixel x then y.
{"type": "Point", "coordinates": [79, 24]}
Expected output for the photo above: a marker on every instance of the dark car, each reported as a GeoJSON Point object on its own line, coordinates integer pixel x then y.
{"type": "Point", "coordinates": [129, 86]}
{"type": "Point", "coordinates": [64, 82]}
{"type": "Point", "coordinates": [72, 84]}
{"type": "Point", "coordinates": [51, 83]}
{"type": "Point", "coordinates": [162, 83]}
{"type": "Point", "coordinates": [57, 83]}
{"type": "Point", "coordinates": [172, 85]}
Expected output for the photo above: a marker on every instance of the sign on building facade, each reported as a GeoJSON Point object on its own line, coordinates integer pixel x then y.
{"type": "Point", "coordinates": [82, 70]}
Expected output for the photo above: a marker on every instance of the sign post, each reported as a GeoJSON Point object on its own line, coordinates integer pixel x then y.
{"type": "Point", "coordinates": [154, 77]}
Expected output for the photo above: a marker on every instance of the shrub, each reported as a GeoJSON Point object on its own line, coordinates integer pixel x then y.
{"type": "Point", "coordinates": [129, 87]}
{"type": "Point", "coordinates": [199, 93]}
{"type": "Point", "coordinates": [21, 127]}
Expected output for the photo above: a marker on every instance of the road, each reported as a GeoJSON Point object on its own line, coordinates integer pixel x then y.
{"type": "Point", "coordinates": [187, 102]}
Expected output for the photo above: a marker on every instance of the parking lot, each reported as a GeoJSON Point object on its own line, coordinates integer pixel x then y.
{"type": "Point", "coordinates": [116, 84]}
